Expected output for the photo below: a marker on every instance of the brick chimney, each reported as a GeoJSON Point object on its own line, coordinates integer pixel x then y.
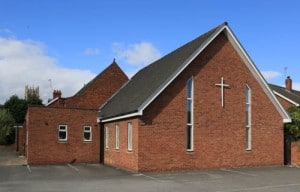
{"type": "Point", "coordinates": [288, 84]}
{"type": "Point", "coordinates": [56, 94]}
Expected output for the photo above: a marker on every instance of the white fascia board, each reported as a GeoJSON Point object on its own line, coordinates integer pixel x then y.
{"type": "Point", "coordinates": [287, 120]}
{"type": "Point", "coordinates": [287, 99]}
{"type": "Point", "coordinates": [236, 44]}
{"type": "Point", "coordinates": [139, 113]}
{"type": "Point", "coordinates": [52, 101]}
{"type": "Point", "coordinates": [180, 69]}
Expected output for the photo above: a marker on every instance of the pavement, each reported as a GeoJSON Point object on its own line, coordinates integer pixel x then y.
{"type": "Point", "coordinates": [96, 177]}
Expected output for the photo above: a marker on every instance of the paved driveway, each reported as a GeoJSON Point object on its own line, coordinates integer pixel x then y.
{"type": "Point", "coordinates": [99, 178]}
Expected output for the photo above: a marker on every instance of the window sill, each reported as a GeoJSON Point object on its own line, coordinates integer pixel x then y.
{"type": "Point", "coordinates": [87, 141]}
{"type": "Point", "coordinates": [248, 150]}
{"type": "Point", "coordinates": [189, 151]}
{"type": "Point", "coordinates": [62, 141]}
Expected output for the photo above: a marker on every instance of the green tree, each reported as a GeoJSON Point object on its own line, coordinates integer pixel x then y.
{"type": "Point", "coordinates": [34, 100]}
{"type": "Point", "coordinates": [17, 108]}
{"type": "Point", "coordinates": [292, 129]}
{"type": "Point", "coordinates": [7, 131]}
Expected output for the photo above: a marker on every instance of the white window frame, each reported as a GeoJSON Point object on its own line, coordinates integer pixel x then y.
{"type": "Point", "coordinates": [248, 119]}
{"type": "Point", "coordinates": [87, 131]}
{"type": "Point", "coordinates": [117, 136]}
{"type": "Point", "coordinates": [106, 137]}
{"type": "Point", "coordinates": [129, 136]}
{"type": "Point", "coordinates": [63, 130]}
{"type": "Point", "coordinates": [190, 125]}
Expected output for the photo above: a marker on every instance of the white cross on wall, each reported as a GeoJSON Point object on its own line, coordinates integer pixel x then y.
{"type": "Point", "coordinates": [222, 85]}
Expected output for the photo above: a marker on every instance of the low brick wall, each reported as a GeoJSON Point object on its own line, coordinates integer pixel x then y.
{"type": "Point", "coordinates": [295, 152]}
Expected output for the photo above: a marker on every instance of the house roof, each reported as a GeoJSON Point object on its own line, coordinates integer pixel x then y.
{"type": "Point", "coordinates": [291, 96]}
{"type": "Point", "coordinates": [150, 81]}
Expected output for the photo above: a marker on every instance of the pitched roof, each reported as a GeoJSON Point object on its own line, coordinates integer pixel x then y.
{"type": "Point", "coordinates": [84, 91]}
{"type": "Point", "coordinates": [150, 81]}
{"type": "Point", "coordinates": [291, 96]}
{"type": "Point", "coordinates": [99, 76]}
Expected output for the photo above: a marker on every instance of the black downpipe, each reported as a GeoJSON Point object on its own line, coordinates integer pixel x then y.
{"type": "Point", "coordinates": [101, 143]}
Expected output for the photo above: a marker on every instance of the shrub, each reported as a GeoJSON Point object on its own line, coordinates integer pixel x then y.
{"type": "Point", "coordinates": [7, 131]}
{"type": "Point", "coordinates": [292, 129]}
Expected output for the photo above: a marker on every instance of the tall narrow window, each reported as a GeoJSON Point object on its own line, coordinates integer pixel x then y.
{"type": "Point", "coordinates": [248, 118]}
{"type": "Point", "coordinates": [129, 136]}
{"type": "Point", "coordinates": [117, 136]}
{"type": "Point", "coordinates": [87, 133]}
{"type": "Point", "coordinates": [106, 137]}
{"type": "Point", "coordinates": [189, 108]}
{"type": "Point", "coordinates": [62, 133]}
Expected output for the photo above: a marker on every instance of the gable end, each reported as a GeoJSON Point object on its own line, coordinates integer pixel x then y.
{"type": "Point", "coordinates": [242, 53]}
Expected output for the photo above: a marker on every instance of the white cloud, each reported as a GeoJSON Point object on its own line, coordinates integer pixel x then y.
{"type": "Point", "coordinates": [91, 51]}
{"type": "Point", "coordinates": [24, 62]}
{"type": "Point", "coordinates": [138, 54]}
{"type": "Point", "coordinates": [270, 74]}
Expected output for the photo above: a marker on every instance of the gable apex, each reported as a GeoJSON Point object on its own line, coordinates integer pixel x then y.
{"type": "Point", "coordinates": [111, 67]}
{"type": "Point", "coordinates": [166, 70]}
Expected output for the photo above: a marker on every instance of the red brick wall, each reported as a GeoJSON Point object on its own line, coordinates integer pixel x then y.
{"type": "Point", "coordinates": [295, 153]}
{"type": "Point", "coordinates": [43, 145]}
{"type": "Point", "coordinates": [122, 157]}
{"type": "Point", "coordinates": [219, 133]}
{"type": "Point", "coordinates": [98, 91]}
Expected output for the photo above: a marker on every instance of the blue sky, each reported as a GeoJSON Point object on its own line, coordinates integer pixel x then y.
{"type": "Point", "coordinates": [63, 44]}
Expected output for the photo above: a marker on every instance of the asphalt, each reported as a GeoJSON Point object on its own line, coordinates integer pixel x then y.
{"type": "Point", "coordinates": [16, 175]}
{"type": "Point", "coordinates": [96, 177]}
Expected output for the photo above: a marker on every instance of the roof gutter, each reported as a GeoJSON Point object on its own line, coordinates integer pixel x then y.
{"type": "Point", "coordinates": [139, 113]}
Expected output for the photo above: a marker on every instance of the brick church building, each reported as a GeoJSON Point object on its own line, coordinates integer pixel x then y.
{"type": "Point", "coordinates": [204, 105]}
